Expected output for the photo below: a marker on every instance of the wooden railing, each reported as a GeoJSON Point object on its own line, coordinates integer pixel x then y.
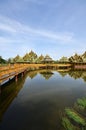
{"type": "Point", "coordinates": [6, 72]}
{"type": "Point", "coordinates": [11, 71]}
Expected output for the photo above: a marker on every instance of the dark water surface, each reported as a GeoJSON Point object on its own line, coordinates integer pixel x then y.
{"type": "Point", "coordinates": [36, 101]}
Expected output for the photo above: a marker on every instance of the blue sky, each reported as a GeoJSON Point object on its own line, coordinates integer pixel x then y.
{"type": "Point", "coordinates": [54, 27]}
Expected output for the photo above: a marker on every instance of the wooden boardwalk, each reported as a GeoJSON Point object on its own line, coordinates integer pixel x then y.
{"type": "Point", "coordinates": [10, 71]}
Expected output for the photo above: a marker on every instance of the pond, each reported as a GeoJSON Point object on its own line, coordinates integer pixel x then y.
{"type": "Point", "coordinates": [37, 100]}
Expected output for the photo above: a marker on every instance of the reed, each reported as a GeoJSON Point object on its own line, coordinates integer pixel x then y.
{"type": "Point", "coordinates": [75, 116]}
{"type": "Point", "coordinates": [67, 124]}
{"type": "Point", "coordinates": [82, 102]}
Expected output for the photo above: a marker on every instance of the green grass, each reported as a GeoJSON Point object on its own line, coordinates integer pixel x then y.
{"type": "Point", "coordinates": [75, 116]}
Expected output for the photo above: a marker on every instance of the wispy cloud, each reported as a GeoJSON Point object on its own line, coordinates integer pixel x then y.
{"type": "Point", "coordinates": [6, 27]}
{"type": "Point", "coordinates": [15, 27]}
{"type": "Point", "coordinates": [9, 40]}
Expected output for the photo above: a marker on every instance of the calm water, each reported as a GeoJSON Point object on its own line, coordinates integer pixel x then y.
{"type": "Point", "coordinates": [37, 100]}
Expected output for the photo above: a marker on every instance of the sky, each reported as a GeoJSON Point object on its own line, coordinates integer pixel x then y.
{"type": "Point", "coordinates": [54, 27]}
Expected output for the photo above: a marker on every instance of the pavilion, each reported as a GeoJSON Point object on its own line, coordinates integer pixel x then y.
{"type": "Point", "coordinates": [47, 59]}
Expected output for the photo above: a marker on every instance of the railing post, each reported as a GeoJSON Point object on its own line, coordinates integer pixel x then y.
{"type": "Point", "coordinates": [16, 78]}
{"type": "Point", "coordinates": [0, 88]}
{"type": "Point", "coordinates": [22, 74]}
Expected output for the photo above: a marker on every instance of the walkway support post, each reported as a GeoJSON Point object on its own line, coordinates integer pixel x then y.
{"type": "Point", "coordinates": [16, 78]}
{"type": "Point", "coordinates": [0, 88]}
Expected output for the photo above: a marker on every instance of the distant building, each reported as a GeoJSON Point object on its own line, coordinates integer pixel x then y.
{"type": "Point", "coordinates": [47, 59]}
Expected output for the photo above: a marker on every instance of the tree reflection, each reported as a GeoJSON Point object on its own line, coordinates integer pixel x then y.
{"type": "Point", "coordinates": [63, 73]}
{"type": "Point", "coordinates": [76, 74]}
{"type": "Point", "coordinates": [32, 74]}
{"type": "Point", "coordinates": [46, 74]}
{"type": "Point", "coordinates": [84, 76]}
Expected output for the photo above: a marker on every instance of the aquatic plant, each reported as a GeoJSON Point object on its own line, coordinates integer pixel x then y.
{"type": "Point", "coordinates": [79, 108]}
{"type": "Point", "coordinates": [75, 116]}
{"type": "Point", "coordinates": [82, 102]}
{"type": "Point", "coordinates": [67, 124]}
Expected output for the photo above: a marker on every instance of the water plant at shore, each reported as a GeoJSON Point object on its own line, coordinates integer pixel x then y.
{"type": "Point", "coordinates": [67, 124]}
{"type": "Point", "coordinates": [82, 102]}
{"type": "Point", "coordinates": [75, 116]}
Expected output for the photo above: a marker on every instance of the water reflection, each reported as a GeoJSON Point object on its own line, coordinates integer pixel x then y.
{"type": "Point", "coordinates": [8, 93]}
{"type": "Point", "coordinates": [74, 74]}
{"type": "Point", "coordinates": [36, 103]}
{"type": "Point", "coordinates": [32, 74]}
{"type": "Point", "coordinates": [46, 74]}
{"type": "Point", "coordinates": [49, 73]}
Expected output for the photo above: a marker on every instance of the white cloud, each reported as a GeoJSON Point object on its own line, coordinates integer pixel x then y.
{"type": "Point", "coordinates": [6, 28]}
{"type": "Point", "coordinates": [17, 28]}
{"type": "Point", "coordinates": [8, 40]}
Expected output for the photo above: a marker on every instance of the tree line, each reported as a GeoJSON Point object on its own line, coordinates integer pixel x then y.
{"type": "Point", "coordinates": [32, 57]}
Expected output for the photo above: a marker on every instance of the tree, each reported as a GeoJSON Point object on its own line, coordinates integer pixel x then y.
{"type": "Point", "coordinates": [10, 60]}
{"type": "Point", "coordinates": [84, 57]}
{"type": "Point", "coordinates": [40, 58]}
{"type": "Point", "coordinates": [16, 58]}
{"type": "Point", "coordinates": [2, 60]}
{"type": "Point", "coordinates": [26, 57]}
{"type": "Point", "coordinates": [64, 59]}
{"type": "Point", "coordinates": [76, 58]}
{"type": "Point", "coordinates": [32, 56]}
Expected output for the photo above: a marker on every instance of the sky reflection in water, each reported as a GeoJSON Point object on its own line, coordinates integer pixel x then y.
{"type": "Point", "coordinates": [39, 98]}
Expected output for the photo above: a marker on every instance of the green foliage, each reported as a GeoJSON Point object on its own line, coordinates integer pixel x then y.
{"type": "Point", "coordinates": [16, 58]}
{"type": "Point", "coordinates": [40, 59]}
{"type": "Point", "coordinates": [64, 59]}
{"type": "Point", "coordinates": [79, 108]}
{"type": "Point", "coordinates": [82, 102]}
{"type": "Point", "coordinates": [75, 116]}
{"type": "Point", "coordinates": [72, 119]}
{"type": "Point", "coordinates": [76, 58]}
{"type": "Point", "coordinates": [26, 57]}
{"type": "Point", "coordinates": [10, 60]}
{"type": "Point", "coordinates": [33, 58]}
{"type": "Point", "coordinates": [67, 124]}
{"type": "Point", "coordinates": [30, 57]}
{"type": "Point", "coordinates": [2, 61]}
